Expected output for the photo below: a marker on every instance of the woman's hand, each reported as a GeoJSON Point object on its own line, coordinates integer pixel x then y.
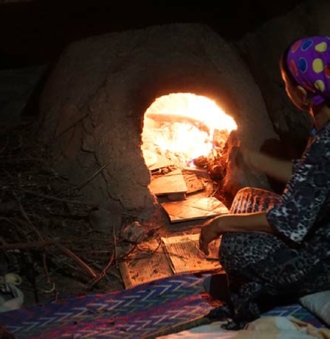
{"type": "Point", "coordinates": [247, 222]}
{"type": "Point", "coordinates": [209, 232]}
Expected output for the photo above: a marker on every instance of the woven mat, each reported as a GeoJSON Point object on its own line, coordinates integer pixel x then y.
{"type": "Point", "coordinates": [131, 313]}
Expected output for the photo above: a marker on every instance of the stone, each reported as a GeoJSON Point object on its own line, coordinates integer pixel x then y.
{"type": "Point", "coordinates": [133, 232]}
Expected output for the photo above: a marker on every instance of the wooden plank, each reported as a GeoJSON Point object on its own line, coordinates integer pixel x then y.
{"type": "Point", "coordinates": [194, 184]}
{"type": "Point", "coordinates": [194, 208]}
{"type": "Point", "coordinates": [160, 162]}
{"type": "Point", "coordinates": [147, 264]}
{"type": "Point", "coordinates": [172, 182]}
{"type": "Point", "coordinates": [186, 257]}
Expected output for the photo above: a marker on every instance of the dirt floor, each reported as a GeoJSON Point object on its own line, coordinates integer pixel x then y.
{"type": "Point", "coordinates": [46, 234]}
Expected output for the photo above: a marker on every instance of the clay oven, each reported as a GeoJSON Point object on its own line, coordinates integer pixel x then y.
{"type": "Point", "coordinates": [98, 98]}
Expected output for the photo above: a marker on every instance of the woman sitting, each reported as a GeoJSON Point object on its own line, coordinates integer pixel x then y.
{"type": "Point", "coordinates": [285, 249]}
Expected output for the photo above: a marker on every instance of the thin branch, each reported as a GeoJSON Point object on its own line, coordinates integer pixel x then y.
{"type": "Point", "coordinates": [22, 246]}
{"type": "Point", "coordinates": [20, 206]}
{"type": "Point", "coordinates": [115, 245]}
{"type": "Point", "coordinates": [36, 244]}
{"type": "Point", "coordinates": [44, 263]}
{"type": "Point", "coordinates": [135, 246]}
{"type": "Point", "coordinates": [81, 263]}
{"type": "Point", "coordinates": [49, 197]}
{"type": "Point", "coordinates": [103, 273]}
{"type": "Point", "coordinates": [93, 176]}
{"type": "Point", "coordinates": [44, 243]}
{"type": "Point", "coordinates": [14, 224]}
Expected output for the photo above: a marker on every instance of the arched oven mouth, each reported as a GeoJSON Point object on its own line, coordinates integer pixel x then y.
{"type": "Point", "coordinates": [184, 145]}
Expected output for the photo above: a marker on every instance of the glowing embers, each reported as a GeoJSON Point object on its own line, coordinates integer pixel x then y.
{"type": "Point", "coordinates": [184, 128]}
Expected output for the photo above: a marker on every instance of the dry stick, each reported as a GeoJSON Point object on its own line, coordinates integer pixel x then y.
{"type": "Point", "coordinates": [7, 161]}
{"type": "Point", "coordinates": [118, 277]}
{"type": "Point", "coordinates": [20, 206]}
{"type": "Point", "coordinates": [49, 197]}
{"type": "Point", "coordinates": [26, 217]}
{"type": "Point", "coordinates": [44, 243]}
{"type": "Point", "coordinates": [73, 256]}
{"type": "Point", "coordinates": [59, 246]}
{"type": "Point", "coordinates": [81, 263]}
{"type": "Point", "coordinates": [22, 246]}
{"type": "Point", "coordinates": [14, 224]}
{"type": "Point", "coordinates": [48, 280]}
{"type": "Point", "coordinates": [115, 245]}
{"type": "Point", "coordinates": [34, 244]}
{"type": "Point", "coordinates": [102, 274]}
{"type": "Point", "coordinates": [93, 176]}
{"type": "Point", "coordinates": [44, 263]}
{"type": "Point", "coordinates": [153, 251]}
{"type": "Point", "coordinates": [125, 256]}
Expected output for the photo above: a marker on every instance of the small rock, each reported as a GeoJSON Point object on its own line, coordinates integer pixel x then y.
{"type": "Point", "coordinates": [133, 232]}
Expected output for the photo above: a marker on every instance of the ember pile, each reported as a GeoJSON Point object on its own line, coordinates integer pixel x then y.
{"type": "Point", "coordinates": [46, 234]}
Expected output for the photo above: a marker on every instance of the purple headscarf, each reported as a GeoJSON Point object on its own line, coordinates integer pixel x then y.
{"type": "Point", "coordinates": [309, 63]}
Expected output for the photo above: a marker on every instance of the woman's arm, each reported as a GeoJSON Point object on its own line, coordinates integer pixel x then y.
{"type": "Point", "coordinates": [249, 222]}
{"type": "Point", "coordinates": [280, 170]}
{"type": "Point", "coordinates": [300, 206]}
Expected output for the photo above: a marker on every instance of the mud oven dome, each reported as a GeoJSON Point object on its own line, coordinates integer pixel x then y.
{"type": "Point", "coordinates": [105, 90]}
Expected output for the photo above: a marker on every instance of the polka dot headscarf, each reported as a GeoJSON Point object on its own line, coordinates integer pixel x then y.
{"type": "Point", "coordinates": [309, 63]}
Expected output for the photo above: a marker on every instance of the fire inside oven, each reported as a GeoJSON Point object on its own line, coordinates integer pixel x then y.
{"type": "Point", "coordinates": [185, 129]}
{"type": "Point", "coordinates": [187, 133]}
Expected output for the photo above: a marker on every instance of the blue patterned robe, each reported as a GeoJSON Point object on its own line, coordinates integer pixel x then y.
{"type": "Point", "coordinates": [296, 262]}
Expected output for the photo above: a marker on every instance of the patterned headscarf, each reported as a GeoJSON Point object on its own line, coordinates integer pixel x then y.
{"type": "Point", "coordinates": [308, 60]}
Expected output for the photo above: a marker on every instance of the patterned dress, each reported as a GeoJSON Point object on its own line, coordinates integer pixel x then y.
{"type": "Point", "coordinates": [297, 261]}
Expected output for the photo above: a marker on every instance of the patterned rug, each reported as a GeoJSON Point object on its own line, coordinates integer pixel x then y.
{"type": "Point", "coordinates": [132, 313]}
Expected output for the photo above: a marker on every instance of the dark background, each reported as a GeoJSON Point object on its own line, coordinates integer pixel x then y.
{"type": "Point", "coordinates": [36, 32]}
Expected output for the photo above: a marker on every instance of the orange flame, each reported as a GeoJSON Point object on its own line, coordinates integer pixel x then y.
{"type": "Point", "coordinates": [182, 125]}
